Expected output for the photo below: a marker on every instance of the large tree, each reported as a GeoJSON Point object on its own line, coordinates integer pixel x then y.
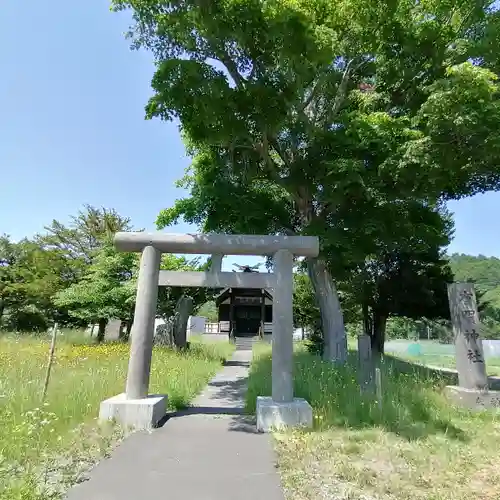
{"type": "Point", "coordinates": [407, 273]}
{"type": "Point", "coordinates": [8, 254]}
{"type": "Point", "coordinates": [344, 109]}
{"type": "Point", "coordinates": [29, 277]}
{"type": "Point", "coordinates": [401, 283]}
{"type": "Point", "coordinates": [85, 234]}
{"type": "Point", "coordinates": [105, 291]}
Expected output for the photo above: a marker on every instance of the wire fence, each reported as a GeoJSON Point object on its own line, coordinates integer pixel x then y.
{"type": "Point", "coordinates": [491, 348]}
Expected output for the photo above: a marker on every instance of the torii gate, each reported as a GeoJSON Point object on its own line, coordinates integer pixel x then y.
{"type": "Point", "coordinates": [136, 407]}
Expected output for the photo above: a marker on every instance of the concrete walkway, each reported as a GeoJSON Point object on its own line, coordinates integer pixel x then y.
{"type": "Point", "coordinates": [210, 451]}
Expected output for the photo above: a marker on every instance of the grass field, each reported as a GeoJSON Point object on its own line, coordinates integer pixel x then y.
{"type": "Point", "coordinates": [416, 447]}
{"type": "Point", "coordinates": [45, 445]}
{"type": "Point", "coordinates": [492, 364]}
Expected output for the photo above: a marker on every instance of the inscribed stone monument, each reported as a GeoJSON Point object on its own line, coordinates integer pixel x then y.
{"type": "Point", "coordinates": [472, 391]}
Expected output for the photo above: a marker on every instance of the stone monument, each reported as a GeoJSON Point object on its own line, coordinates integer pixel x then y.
{"type": "Point", "coordinates": [113, 330]}
{"type": "Point", "coordinates": [472, 390]}
{"type": "Point", "coordinates": [135, 407]}
{"type": "Point", "coordinates": [183, 310]}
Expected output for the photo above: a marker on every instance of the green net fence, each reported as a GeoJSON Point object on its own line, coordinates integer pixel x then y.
{"type": "Point", "coordinates": [428, 348]}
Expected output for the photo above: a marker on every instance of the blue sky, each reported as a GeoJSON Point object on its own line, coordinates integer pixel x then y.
{"type": "Point", "coordinates": [72, 126]}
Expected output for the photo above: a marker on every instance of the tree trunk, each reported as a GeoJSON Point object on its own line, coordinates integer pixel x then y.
{"type": "Point", "coordinates": [102, 330]}
{"type": "Point", "coordinates": [332, 321]}
{"type": "Point", "coordinates": [367, 320]}
{"type": "Point", "coordinates": [378, 334]}
{"type": "Point", "coordinates": [2, 309]}
{"type": "Point", "coordinates": [128, 328]}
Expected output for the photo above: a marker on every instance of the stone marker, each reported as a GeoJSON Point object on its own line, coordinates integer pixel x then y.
{"type": "Point", "coordinates": [183, 310]}
{"type": "Point", "coordinates": [378, 387]}
{"type": "Point", "coordinates": [472, 390]}
{"type": "Point", "coordinates": [366, 365]}
{"type": "Point", "coordinates": [468, 345]}
{"type": "Point", "coordinates": [113, 330]}
{"type": "Point", "coordinates": [164, 334]}
{"type": "Point", "coordinates": [135, 407]}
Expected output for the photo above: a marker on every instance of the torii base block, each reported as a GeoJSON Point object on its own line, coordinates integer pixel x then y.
{"type": "Point", "coordinates": [140, 414]}
{"type": "Point", "coordinates": [272, 415]}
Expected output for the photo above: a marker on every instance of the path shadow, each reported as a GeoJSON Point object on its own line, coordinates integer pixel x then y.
{"type": "Point", "coordinates": [239, 421]}
{"type": "Point", "coordinates": [231, 391]}
{"type": "Point", "coordinates": [244, 423]}
{"type": "Point", "coordinates": [244, 364]}
{"type": "Point", "coordinates": [228, 397]}
{"type": "Point", "coordinates": [201, 410]}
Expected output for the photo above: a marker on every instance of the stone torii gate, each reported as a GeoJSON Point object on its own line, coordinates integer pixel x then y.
{"type": "Point", "coordinates": [135, 407]}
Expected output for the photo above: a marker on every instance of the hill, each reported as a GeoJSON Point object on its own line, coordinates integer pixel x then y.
{"type": "Point", "coordinates": [484, 271]}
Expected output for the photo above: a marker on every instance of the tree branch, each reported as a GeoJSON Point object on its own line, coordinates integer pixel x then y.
{"type": "Point", "coordinates": [313, 93]}
{"type": "Point", "coordinates": [231, 67]}
{"type": "Point", "coordinates": [274, 143]}
{"type": "Point", "coordinates": [342, 89]}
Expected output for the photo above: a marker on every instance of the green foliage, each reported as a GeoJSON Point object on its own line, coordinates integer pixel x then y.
{"type": "Point", "coordinates": [408, 405]}
{"type": "Point", "coordinates": [330, 101]}
{"type": "Point", "coordinates": [484, 272]}
{"type": "Point", "coordinates": [34, 441]}
{"type": "Point", "coordinates": [209, 311]}
{"type": "Point", "coordinates": [305, 310]}
{"type": "Point", "coordinates": [73, 275]}
{"type": "Point", "coordinates": [169, 296]}
{"type": "Point", "coordinates": [29, 276]}
{"type": "Point", "coordinates": [26, 318]}
{"type": "Point", "coordinates": [356, 438]}
{"type": "Point", "coordinates": [86, 233]}
{"type": "Point", "coordinates": [105, 291]}
{"type": "Point", "coordinates": [345, 120]}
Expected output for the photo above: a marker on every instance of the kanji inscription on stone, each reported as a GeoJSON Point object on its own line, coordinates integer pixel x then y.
{"type": "Point", "coordinates": [468, 345]}
{"type": "Point", "coordinates": [471, 336]}
{"type": "Point", "coordinates": [475, 356]}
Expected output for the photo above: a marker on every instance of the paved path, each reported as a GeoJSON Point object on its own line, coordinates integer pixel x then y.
{"type": "Point", "coordinates": [208, 452]}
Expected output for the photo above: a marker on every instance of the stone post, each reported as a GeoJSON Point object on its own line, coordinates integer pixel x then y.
{"type": "Point", "coordinates": [232, 329]}
{"type": "Point", "coordinates": [282, 339]}
{"type": "Point", "coordinates": [468, 345]}
{"type": "Point", "coordinates": [262, 312]}
{"type": "Point", "coordinates": [366, 365]}
{"type": "Point", "coordinates": [141, 348]}
{"type": "Point", "coordinates": [183, 310]}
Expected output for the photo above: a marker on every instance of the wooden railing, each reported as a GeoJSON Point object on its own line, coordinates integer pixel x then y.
{"type": "Point", "coordinates": [223, 327]}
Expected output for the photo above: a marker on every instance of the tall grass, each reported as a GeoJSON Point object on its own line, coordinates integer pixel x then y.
{"type": "Point", "coordinates": [82, 376]}
{"type": "Point", "coordinates": [415, 446]}
{"type": "Point", "coordinates": [443, 361]}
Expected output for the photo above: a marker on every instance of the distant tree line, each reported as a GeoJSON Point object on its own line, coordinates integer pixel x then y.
{"type": "Point", "coordinates": [72, 274]}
